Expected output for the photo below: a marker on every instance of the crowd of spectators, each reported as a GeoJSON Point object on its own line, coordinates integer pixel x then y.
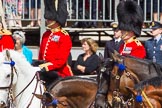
{"type": "Point", "coordinates": [17, 10]}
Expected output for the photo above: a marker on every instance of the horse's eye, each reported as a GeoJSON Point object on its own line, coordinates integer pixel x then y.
{"type": "Point", "coordinates": [8, 75]}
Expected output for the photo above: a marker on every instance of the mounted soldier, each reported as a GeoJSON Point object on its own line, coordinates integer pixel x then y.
{"type": "Point", "coordinates": [56, 43]}
{"type": "Point", "coordinates": [130, 19]}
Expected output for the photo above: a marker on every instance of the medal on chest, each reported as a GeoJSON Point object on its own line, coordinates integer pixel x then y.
{"type": "Point", "coordinates": [55, 38]}
{"type": "Point", "coordinates": [127, 50]}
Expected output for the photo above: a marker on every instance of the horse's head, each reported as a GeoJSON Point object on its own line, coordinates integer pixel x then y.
{"type": "Point", "coordinates": [7, 79]}
{"type": "Point", "coordinates": [103, 79]}
{"type": "Point", "coordinates": [142, 98]}
{"type": "Point", "coordinates": [147, 93]}
{"type": "Point", "coordinates": [18, 79]}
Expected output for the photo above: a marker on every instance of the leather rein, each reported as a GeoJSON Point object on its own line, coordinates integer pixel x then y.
{"type": "Point", "coordinates": [11, 99]}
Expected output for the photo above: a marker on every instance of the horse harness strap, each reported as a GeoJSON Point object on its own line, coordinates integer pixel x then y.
{"type": "Point", "coordinates": [132, 76]}
{"type": "Point", "coordinates": [38, 79]}
{"type": "Point", "coordinates": [129, 73]}
{"type": "Point", "coordinates": [24, 88]}
{"type": "Point", "coordinates": [12, 75]}
{"type": "Point", "coordinates": [11, 63]}
{"type": "Point", "coordinates": [144, 95]}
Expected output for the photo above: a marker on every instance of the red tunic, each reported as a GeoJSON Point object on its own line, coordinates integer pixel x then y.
{"type": "Point", "coordinates": [6, 42]}
{"type": "Point", "coordinates": [133, 48]}
{"type": "Point", "coordinates": [55, 49]}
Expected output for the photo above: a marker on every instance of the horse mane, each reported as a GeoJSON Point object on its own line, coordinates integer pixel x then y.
{"type": "Point", "coordinates": [146, 61]}
{"type": "Point", "coordinates": [70, 78]}
{"type": "Point", "coordinates": [155, 81]}
{"type": "Point", "coordinates": [150, 63]}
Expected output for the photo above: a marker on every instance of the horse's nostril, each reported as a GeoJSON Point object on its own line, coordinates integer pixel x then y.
{"type": "Point", "coordinates": [2, 102]}
{"type": "Point", "coordinates": [3, 105]}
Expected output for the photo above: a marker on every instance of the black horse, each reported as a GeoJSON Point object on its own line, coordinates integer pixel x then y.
{"type": "Point", "coordinates": [103, 79]}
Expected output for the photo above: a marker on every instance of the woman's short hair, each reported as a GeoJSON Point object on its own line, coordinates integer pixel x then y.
{"type": "Point", "coordinates": [19, 34]}
{"type": "Point", "coordinates": [92, 43]}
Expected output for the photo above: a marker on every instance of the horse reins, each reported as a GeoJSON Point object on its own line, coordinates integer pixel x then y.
{"type": "Point", "coordinates": [11, 63]}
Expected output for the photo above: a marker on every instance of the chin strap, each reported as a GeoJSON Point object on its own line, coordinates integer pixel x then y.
{"type": "Point", "coordinates": [123, 36]}
{"type": "Point", "coordinates": [52, 23]}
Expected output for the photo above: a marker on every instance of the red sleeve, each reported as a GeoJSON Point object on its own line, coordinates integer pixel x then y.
{"type": "Point", "coordinates": [7, 42]}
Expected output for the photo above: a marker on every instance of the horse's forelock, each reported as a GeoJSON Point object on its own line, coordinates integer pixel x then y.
{"type": "Point", "coordinates": [155, 81]}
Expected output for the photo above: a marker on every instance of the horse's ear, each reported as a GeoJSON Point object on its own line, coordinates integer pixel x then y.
{"type": "Point", "coordinates": [113, 57]}
{"type": "Point", "coordinates": [131, 90]}
{"type": "Point", "coordinates": [101, 58]}
{"type": "Point", "coordinates": [39, 96]}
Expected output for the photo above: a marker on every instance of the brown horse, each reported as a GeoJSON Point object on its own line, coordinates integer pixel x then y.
{"type": "Point", "coordinates": [108, 84]}
{"type": "Point", "coordinates": [70, 92]}
{"type": "Point", "coordinates": [141, 67]}
{"type": "Point", "coordinates": [133, 70]}
{"type": "Point", "coordinates": [148, 93]}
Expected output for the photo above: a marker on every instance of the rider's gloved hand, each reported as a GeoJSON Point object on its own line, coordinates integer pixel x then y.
{"type": "Point", "coordinates": [42, 70]}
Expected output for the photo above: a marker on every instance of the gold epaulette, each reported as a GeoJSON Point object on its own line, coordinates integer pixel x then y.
{"type": "Point", "coordinates": [5, 32]}
{"type": "Point", "coordinates": [64, 32]}
{"type": "Point", "coordinates": [137, 42]}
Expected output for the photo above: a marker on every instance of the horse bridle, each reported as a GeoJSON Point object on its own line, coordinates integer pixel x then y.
{"type": "Point", "coordinates": [9, 88]}
{"type": "Point", "coordinates": [129, 74]}
{"type": "Point", "coordinates": [12, 75]}
{"type": "Point", "coordinates": [103, 73]}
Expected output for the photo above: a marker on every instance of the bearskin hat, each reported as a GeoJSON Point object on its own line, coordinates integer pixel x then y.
{"type": "Point", "coordinates": [130, 16]}
{"type": "Point", "coordinates": [56, 10]}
